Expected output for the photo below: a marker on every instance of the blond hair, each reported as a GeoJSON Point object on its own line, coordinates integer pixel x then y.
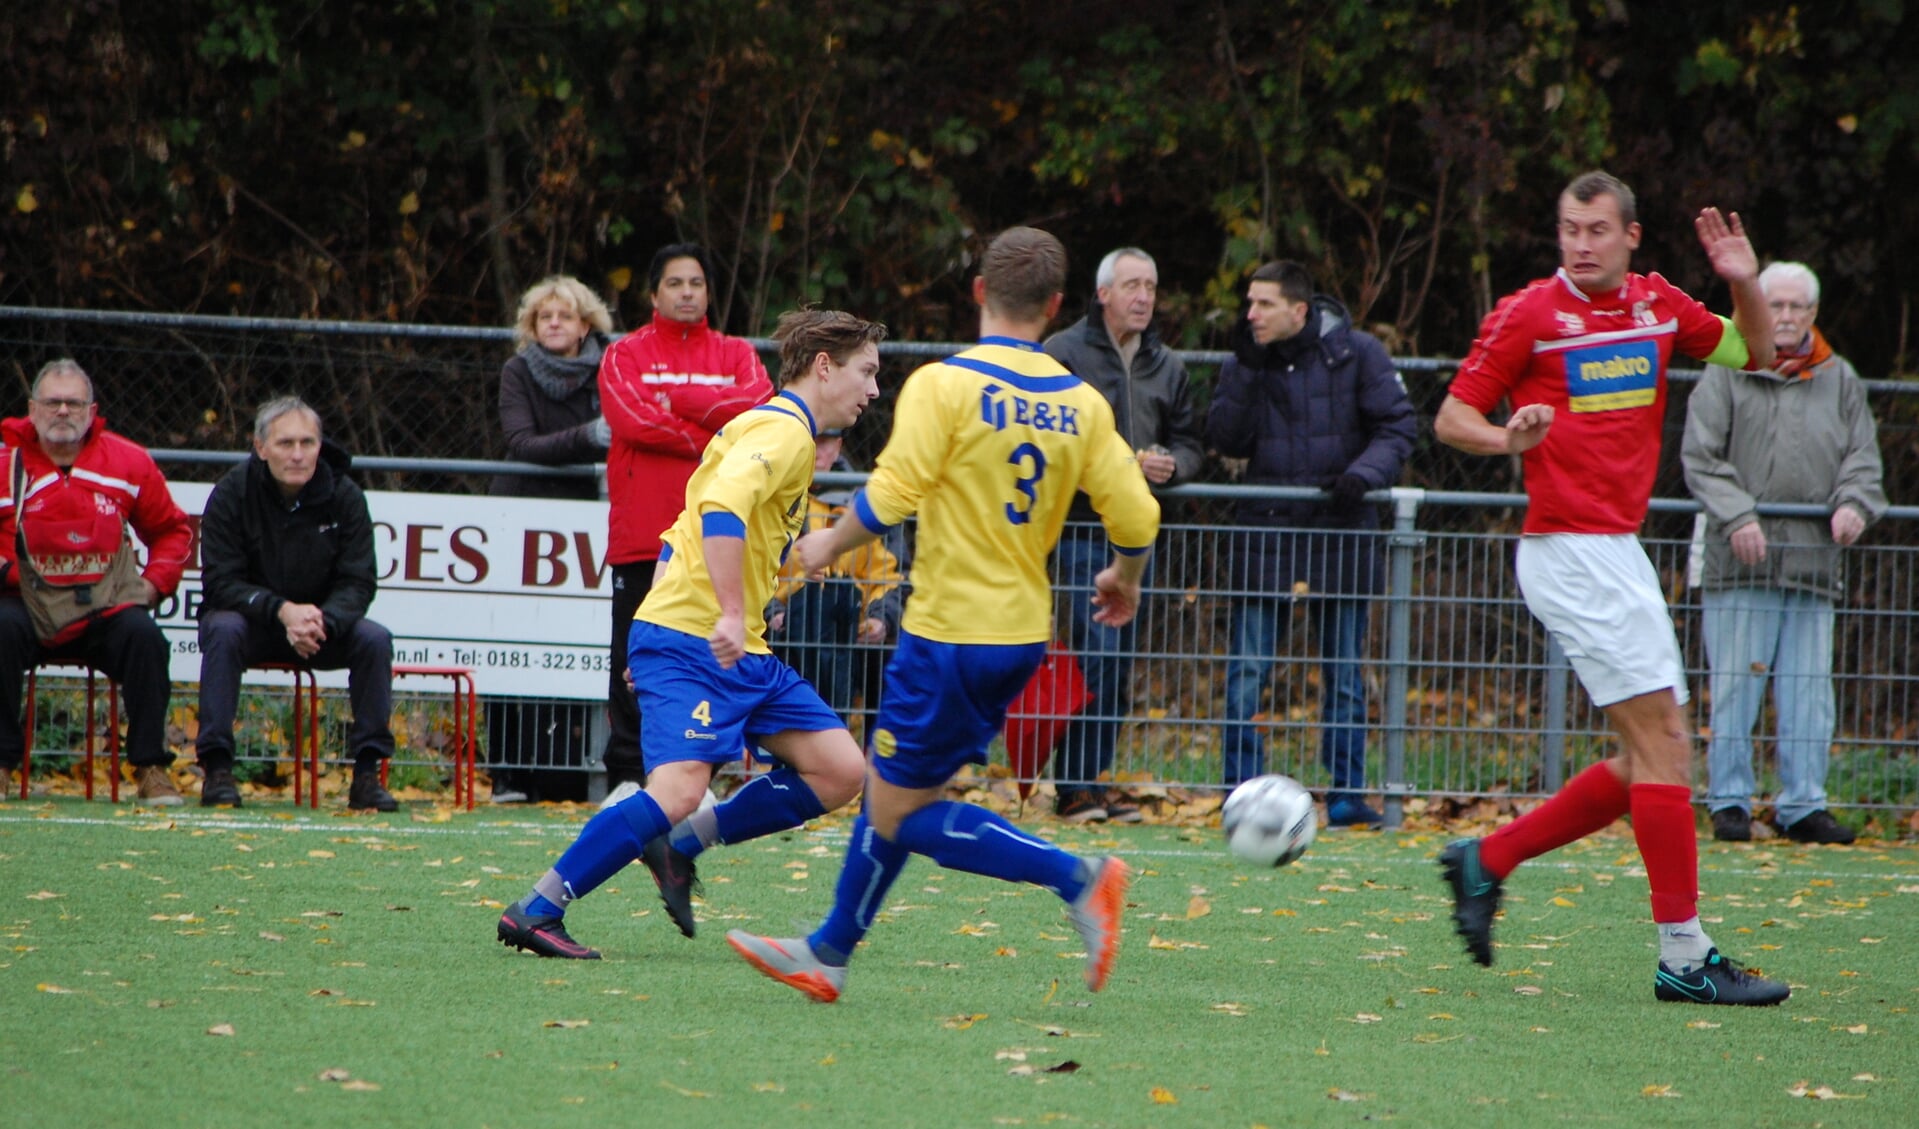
{"type": "Point", "coordinates": [565, 287]}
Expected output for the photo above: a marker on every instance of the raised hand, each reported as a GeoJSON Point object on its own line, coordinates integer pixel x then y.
{"type": "Point", "coordinates": [1725, 242]}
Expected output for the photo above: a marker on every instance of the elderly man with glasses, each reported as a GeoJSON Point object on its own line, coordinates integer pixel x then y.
{"type": "Point", "coordinates": [70, 587]}
{"type": "Point", "coordinates": [1799, 431]}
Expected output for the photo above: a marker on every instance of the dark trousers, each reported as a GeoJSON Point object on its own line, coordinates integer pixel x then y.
{"type": "Point", "coordinates": [230, 643]}
{"type": "Point", "coordinates": [631, 582]}
{"type": "Point", "coordinates": [126, 646]}
{"type": "Point", "coordinates": [820, 640]}
{"type": "Point", "coordinates": [537, 747]}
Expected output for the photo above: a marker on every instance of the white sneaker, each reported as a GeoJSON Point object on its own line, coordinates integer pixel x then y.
{"type": "Point", "coordinates": [1096, 915]}
{"type": "Point", "coordinates": [624, 791]}
{"type": "Point", "coordinates": [628, 789]}
{"type": "Point", "coordinates": [791, 962]}
{"type": "Point", "coordinates": [507, 795]}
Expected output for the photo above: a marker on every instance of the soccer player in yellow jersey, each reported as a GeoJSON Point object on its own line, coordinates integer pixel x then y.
{"type": "Point", "coordinates": [707, 682]}
{"type": "Point", "coordinates": [988, 448]}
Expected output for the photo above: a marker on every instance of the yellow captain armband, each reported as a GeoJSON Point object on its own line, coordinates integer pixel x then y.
{"type": "Point", "coordinates": [1731, 351]}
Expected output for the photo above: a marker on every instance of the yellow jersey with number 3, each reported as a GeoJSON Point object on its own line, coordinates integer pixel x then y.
{"type": "Point", "coordinates": [989, 448]}
{"type": "Point", "coordinates": [752, 483]}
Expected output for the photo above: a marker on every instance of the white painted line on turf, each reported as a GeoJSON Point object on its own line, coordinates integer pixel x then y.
{"type": "Point", "coordinates": [1315, 860]}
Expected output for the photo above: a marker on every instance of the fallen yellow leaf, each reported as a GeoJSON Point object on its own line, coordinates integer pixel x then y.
{"type": "Point", "coordinates": [1163, 1096]}
{"type": "Point", "coordinates": [567, 1024]}
{"type": "Point", "coordinates": [220, 1029]}
{"type": "Point", "coordinates": [359, 1084]}
{"type": "Point", "coordinates": [1198, 907]}
{"type": "Point", "coordinates": [961, 1022]}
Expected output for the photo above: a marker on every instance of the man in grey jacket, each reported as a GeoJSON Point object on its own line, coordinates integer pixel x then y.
{"type": "Point", "coordinates": [1114, 349]}
{"type": "Point", "coordinates": [1798, 432]}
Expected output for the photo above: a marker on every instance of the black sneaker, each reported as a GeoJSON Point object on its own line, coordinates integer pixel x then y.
{"type": "Point", "coordinates": [677, 878]}
{"type": "Point", "coordinates": [1475, 897]}
{"type": "Point", "coordinates": [1718, 981]}
{"type": "Point", "coordinates": [1732, 825]}
{"type": "Point", "coordinates": [1819, 827]}
{"type": "Point", "coordinates": [1079, 807]}
{"type": "Point", "coordinates": [1119, 809]}
{"type": "Point", "coordinates": [219, 789]}
{"type": "Point", "coordinates": [366, 794]}
{"type": "Point", "coordinates": [545, 936]}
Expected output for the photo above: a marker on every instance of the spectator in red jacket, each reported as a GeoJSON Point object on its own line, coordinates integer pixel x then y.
{"type": "Point", "coordinates": [70, 490]}
{"type": "Point", "coordinates": [665, 389]}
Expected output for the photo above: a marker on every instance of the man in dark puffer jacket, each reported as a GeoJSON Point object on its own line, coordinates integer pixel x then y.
{"type": "Point", "coordinates": [1309, 401]}
{"type": "Point", "coordinates": [286, 560]}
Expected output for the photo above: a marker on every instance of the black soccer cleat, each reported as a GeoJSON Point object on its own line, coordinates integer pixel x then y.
{"type": "Point", "coordinates": [1718, 981]}
{"type": "Point", "coordinates": [1476, 896]}
{"type": "Point", "coordinates": [544, 936]}
{"type": "Point", "coordinates": [677, 878]}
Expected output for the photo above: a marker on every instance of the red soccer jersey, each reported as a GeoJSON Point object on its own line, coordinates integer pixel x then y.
{"type": "Point", "coordinates": [1600, 362]}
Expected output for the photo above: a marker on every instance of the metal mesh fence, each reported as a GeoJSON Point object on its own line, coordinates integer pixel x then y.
{"type": "Point", "coordinates": [1464, 696]}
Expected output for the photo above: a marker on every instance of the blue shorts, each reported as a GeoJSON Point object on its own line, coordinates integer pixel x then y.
{"type": "Point", "coordinates": [942, 704]}
{"type": "Point", "coordinates": [691, 710]}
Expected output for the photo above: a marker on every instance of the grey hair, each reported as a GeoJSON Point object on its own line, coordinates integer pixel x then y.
{"type": "Point", "coordinates": [1103, 277]}
{"type": "Point", "coordinates": [1790, 272]}
{"type": "Point", "coordinates": [273, 409]}
{"type": "Point", "coordinates": [61, 366]}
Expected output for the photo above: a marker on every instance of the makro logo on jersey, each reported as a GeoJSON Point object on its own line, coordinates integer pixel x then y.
{"type": "Point", "coordinates": [997, 406]}
{"type": "Point", "coordinates": [1609, 377]}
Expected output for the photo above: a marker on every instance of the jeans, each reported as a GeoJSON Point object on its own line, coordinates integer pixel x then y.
{"type": "Point", "coordinates": [126, 646]}
{"type": "Point", "coordinates": [1751, 633]}
{"type": "Point", "coordinates": [1105, 656]}
{"type": "Point", "coordinates": [230, 643]}
{"type": "Point", "coordinates": [1339, 628]}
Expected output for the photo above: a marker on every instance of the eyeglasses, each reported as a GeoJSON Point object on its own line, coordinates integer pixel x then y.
{"type": "Point", "coordinates": [65, 405]}
{"type": "Point", "coordinates": [1791, 307]}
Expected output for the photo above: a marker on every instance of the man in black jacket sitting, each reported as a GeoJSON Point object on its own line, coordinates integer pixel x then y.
{"type": "Point", "coordinates": [286, 561]}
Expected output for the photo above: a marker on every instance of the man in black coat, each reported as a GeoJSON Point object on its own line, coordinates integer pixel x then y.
{"type": "Point", "coordinates": [286, 562]}
{"type": "Point", "coordinates": [1309, 401]}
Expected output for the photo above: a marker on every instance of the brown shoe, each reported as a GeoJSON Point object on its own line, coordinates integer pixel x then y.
{"type": "Point", "coordinates": [155, 786]}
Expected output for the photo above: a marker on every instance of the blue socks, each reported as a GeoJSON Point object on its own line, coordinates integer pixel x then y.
{"type": "Point", "coordinates": [609, 841]}
{"type": "Point", "coordinates": [775, 801]}
{"type": "Point", "coordinates": [871, 865]}
{"type": "Point", "coordinates": [964, 837]}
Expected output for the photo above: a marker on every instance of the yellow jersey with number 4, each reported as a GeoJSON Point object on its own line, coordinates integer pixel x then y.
{"type": "Point", "coordinates": [752, 483]}
{"type": "Point", "coordinates": [988, 448]}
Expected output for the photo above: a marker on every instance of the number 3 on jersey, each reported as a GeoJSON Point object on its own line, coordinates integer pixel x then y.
{"type": "Point", "coordinates": [1027, 484]}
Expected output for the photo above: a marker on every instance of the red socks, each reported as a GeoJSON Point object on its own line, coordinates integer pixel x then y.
{"type": "Point", "coordinates": [1589, 802]}
{"type": "Point", "coordinates": [1662, 822]}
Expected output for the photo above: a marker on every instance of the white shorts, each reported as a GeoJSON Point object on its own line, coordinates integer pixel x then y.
{"type": "Point", "coordinates": [1598, 595]}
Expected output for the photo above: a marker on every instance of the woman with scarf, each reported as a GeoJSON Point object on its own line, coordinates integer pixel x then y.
{"type": "Point", "coordinates": [550, 414]}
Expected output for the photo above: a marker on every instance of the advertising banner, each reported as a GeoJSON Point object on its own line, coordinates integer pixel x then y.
{"type": "Point", "coordinates": [515, 588]}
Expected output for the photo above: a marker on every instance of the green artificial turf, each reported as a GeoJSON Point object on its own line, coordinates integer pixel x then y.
{"type": "Point", "coordinates": [353, 960]}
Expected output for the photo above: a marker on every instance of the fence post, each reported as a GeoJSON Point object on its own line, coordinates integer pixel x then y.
{"type": "Point", "coordinates": [1552, 743]}
{"type": "Point", "coordinates": [1401, 544]}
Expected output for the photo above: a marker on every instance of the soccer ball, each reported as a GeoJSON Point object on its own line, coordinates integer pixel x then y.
{"type": "Point", "coordinates": [1269, 820]}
